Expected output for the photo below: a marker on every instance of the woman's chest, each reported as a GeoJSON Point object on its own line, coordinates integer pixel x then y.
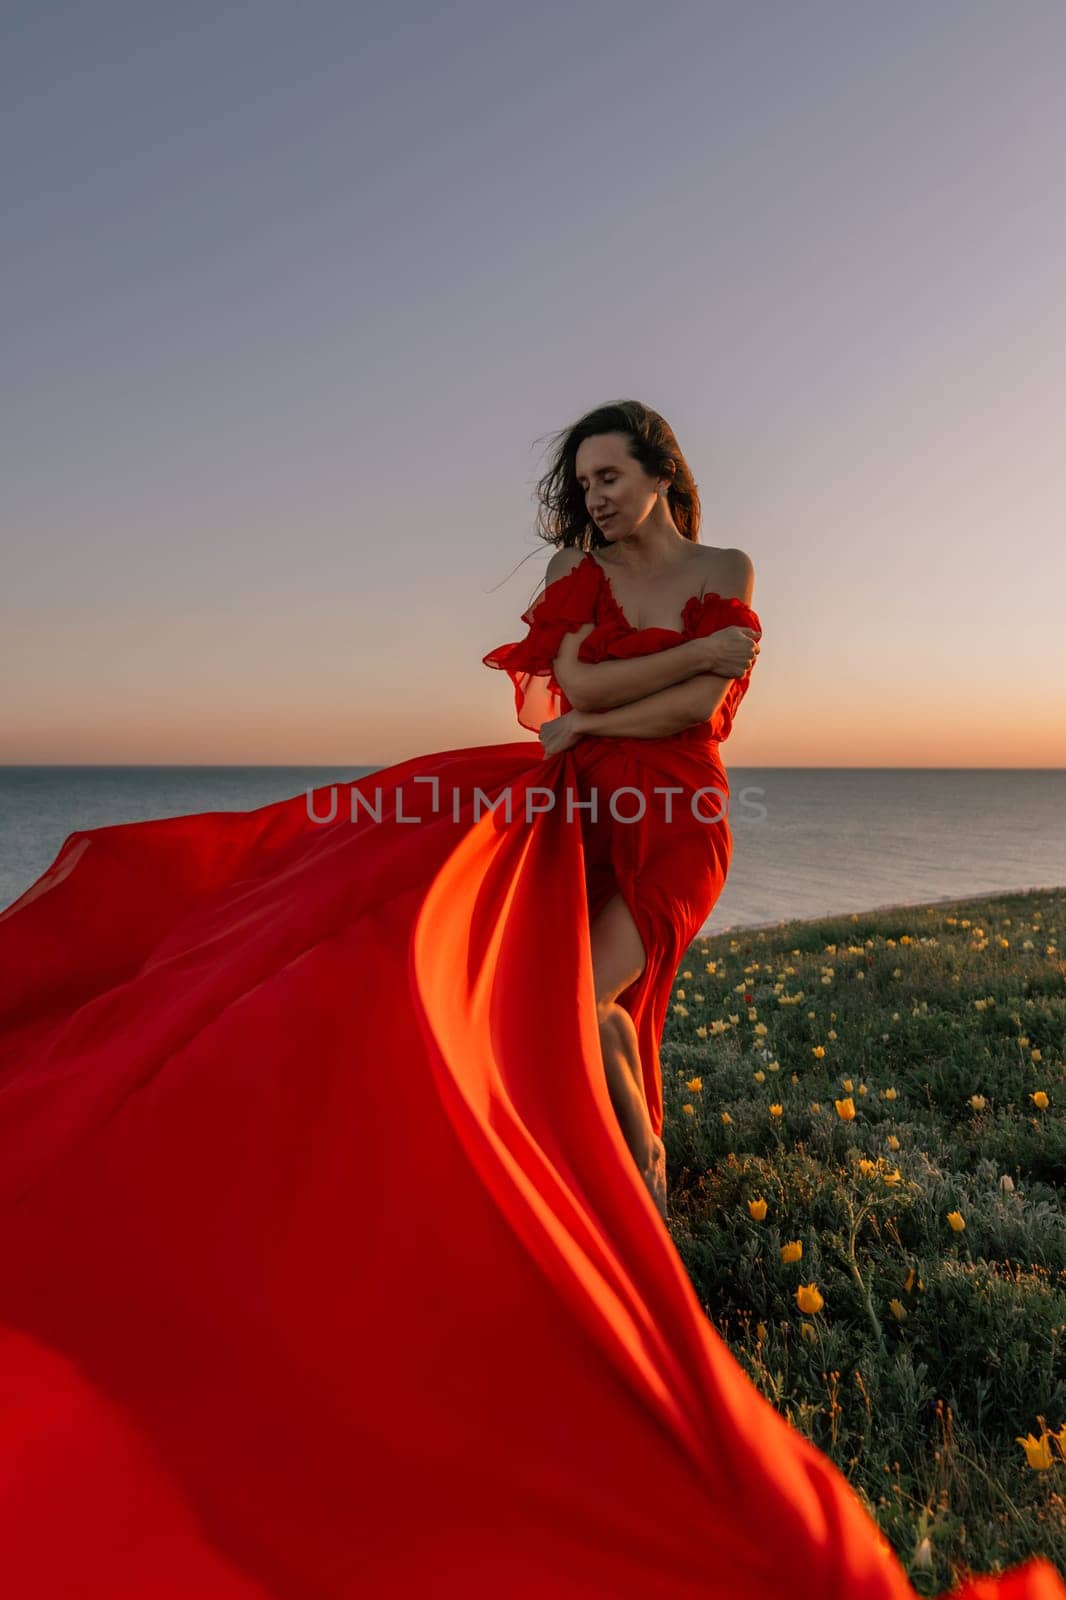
{"type": "Point", "coordinates": [662, 603]}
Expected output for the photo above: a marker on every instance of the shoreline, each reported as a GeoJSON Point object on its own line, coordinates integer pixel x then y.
{"type": "Point", "coordinates": [869, 911]}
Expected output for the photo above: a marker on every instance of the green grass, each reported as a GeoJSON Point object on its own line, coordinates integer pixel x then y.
{"type": "Point", "coordinates": [921, 1412]}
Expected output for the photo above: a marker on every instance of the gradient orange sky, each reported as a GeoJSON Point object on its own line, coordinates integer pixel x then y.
{"type": "Point", "coordinates": [294, 315]}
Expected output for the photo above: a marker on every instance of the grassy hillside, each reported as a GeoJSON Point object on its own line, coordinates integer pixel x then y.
{"type": "Point", "coordinates": [893, 1087]}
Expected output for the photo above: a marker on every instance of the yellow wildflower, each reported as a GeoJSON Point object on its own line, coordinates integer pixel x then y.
{"type": "Point", "coordinates": [808, 1298]}
{"type": "Point", "coordinates": [760, 1077]}
{"type": "Point", "coordinates": [909, 1285]}
{"type": "Point", "coordinates": [1037, 1451]}
{"type": "Point", "coordinates": [1034, 1055]}
{"type": "Point", "coordinates": [847, 1085]}
{"type": "Point", "coordinates": [775, 1111]}
{"type": "Point", "coordinates": [898, 1310]}
{"type": "Point", "coordinates": [760, 1028]}
{"type": "Point", "coordinates": [760, 1331]}
{"type": "Point", "coordinates": [893, 1177]}
{"type": "Point", "coordinates": [689, 1111]}
{"type": "Point", "coordinates": [1040, 1099]}
{"type": "Point", "coordinates": [892, 1142]}
{"type": "Point", "coordinates": [791, 1251]}
{"type": "Point", "coordinates": [694, 1085]}
{"type": "Point", "coordinates": [957, 1220]}
{"type": "Point", "coordinates": [890, 1094]}
{"type": "Point", "coordinates": [818, 1051]}
{"type": "Point", "coordinates": [845, 1110]}
{"type": "Point", "coordinates": [978, 1102]}
{"type": "Point", "coordinates": [757, 1209]}
{"type": "Point", "coordinates": [726, 1118]}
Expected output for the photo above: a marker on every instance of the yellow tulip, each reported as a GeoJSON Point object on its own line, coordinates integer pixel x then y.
{"type": "Point", "coordinates": [760, 1331]}
{"type": "Point", "coordinates": [956, 1220]}
{"type": "Point", "coordinates": [757, 1208]}
{"type": "Point", "coordinates": [1040, 1099]}
{"type": "Point", "coordinates": [792, 1251]}
{"type": "Point", "coordinates": [978, 1102]}
{"type": "Point", "coordinates": [1034, 1055]}
{"type": "Point", "coordinates": [760, 1028]}
{"type": "Point", "coordinates": [809, 1332]}
{"type": "Point", "coordinates": [866, 1167]}
{"type": "Point", "coordinates": [760, 1077]}
{"type": "Point", "coordinates": [1038, 1451]}
{"type": "Point", "coordinates": [694, 1085]}
{"type": "Point", "coordinates": [775, 1111]}
{"type": "Point", "coordinates": [890, 1094]}
{"type": "Point", "coordinates": [847, 1085]}
{"type": "Point", "coordinates": [808, 1298]}
{"type": "Point", "coordinates": [726, 1118]}
{"type": "Point", "coordinates": [909, 1285]}
{"type": "Point", "coordinates": [688, 1110]}
{"type": "Point", "coordinates": [845, 1110]}
{"type": "Point", "coordinates": [898, 1310]}
{"type": "Point", "coordinates": [892, 1142]}
{"type": "Point", "coordinates": [893, 1177]}
{"type": "Point", "coordinates": [818, 1051]}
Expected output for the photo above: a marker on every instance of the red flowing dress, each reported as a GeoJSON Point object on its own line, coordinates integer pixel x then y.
{"type": "Point", "coordinates": [325, 1270]}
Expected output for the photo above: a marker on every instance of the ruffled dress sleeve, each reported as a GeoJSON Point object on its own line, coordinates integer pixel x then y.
{"type": "Point", "coordinates": [564, 605]}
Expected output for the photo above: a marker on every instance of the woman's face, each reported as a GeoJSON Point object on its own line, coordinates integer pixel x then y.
{"type": "Point", "coordinates": [619, 494]}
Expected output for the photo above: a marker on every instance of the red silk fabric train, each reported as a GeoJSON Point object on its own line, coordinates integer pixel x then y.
{"type": "Point", "coordinates": [325, 1270]}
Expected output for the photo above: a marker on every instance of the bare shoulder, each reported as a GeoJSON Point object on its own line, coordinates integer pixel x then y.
{"type": "Point", "coordinates": [562, 562]}
{"type": "Point", "coordinates": [729, 573]}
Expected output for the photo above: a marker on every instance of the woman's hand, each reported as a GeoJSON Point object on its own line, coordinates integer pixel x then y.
{"type": "Point", "coordinates": [731, 652]}
{"type": "Point", "coordinates": [561, 733]}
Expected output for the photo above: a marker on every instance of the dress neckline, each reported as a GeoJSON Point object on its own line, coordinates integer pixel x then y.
{"type": "Point", "coordinates": [692, 604]}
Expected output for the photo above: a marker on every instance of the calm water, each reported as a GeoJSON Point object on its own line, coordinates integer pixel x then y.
{"type": "Point", "coordinates": [806, 841]}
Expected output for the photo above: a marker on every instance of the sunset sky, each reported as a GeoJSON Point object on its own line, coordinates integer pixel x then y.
{"type": "Point", "coordinates": [296, 296]}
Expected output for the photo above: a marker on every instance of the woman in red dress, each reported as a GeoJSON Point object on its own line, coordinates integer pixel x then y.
{"type": "Point", "coordinates": [325, 1266]}
{"type": "Point", "coordinates": [636, 658]}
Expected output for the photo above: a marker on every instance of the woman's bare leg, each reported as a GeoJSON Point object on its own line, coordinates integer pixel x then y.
{"type": "Point", "coordinates": [621, 1060]}
{"type": "Point", "coordinates": [618, 958]}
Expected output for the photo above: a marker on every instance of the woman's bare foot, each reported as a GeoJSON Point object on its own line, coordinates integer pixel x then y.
{"type": "Point", "coordinates": [654, 1175]}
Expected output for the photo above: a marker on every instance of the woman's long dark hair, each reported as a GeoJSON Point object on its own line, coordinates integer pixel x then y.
{"type": "Point", "coordinates": [562, 518]}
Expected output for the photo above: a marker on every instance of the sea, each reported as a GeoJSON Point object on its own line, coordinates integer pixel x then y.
{"type": "Point", "coordinates": [807, 841]}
